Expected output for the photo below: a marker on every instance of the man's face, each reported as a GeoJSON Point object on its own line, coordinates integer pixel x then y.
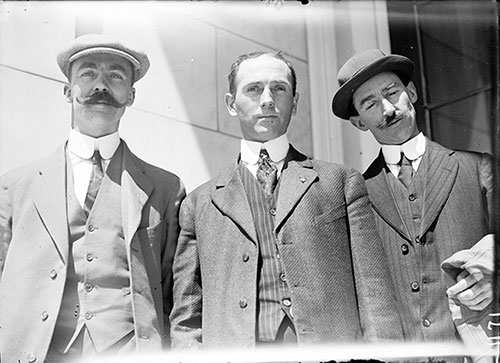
{"type": "Point", "coordinates": [100, 89]}
{"type": "Point", "coordinates": [264, 101]}
{"type": "Point", "coordinates": [385, 107]}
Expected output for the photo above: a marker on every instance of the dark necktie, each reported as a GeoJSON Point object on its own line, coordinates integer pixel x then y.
{"type": "Point", "coordinates": [95, 182]}
{"type": "Point", "coordinates": [406, 172]}
{"type": "Point", "coordinates": [267, 174]}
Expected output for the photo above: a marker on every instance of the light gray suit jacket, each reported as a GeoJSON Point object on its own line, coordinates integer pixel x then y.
{"type": "Point", "coordinates": [34, 251]}
{"type": "Point", "coordinates": [333, 258]}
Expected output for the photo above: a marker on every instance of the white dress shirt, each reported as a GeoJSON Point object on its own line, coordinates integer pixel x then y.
{"type": "Point", "coordinates": [413, 149]}
{"type": "Point", "coordinates": [276, 148]}
{"type": "Point", "coordinates": [80, 150]}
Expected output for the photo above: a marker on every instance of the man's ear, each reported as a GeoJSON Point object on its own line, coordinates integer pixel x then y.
{"type": "Point", "coordinates": [229, 99]}
{"type": "Point", "coordinates": [131, 97]}
{"type": "Point", "coordinates": [67, 93]}
{"type": "Point", "coordinates": [412, 92]}
{"type": "Point", "coordinates": [356, 121]}
{"type": "Point", "coordinates": [295, 103]}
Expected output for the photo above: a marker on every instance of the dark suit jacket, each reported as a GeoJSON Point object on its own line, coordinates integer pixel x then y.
{"type": "Point", "coordinates": [335, 265]}
{"type": "Point", "coordinates": [455, 215]}
{"type": "Point", "coordinates": [34, 242]}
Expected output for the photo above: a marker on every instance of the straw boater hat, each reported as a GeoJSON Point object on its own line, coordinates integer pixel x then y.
{"type": "Point", "coordinates": [98, 43]}
{"type": "Point", "coordinates": [359, 69]}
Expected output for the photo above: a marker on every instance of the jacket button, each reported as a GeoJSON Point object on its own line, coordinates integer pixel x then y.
{"type": "Point", "coordinates": [414, 286]}
{"type": "Point", "coordinates": [44, 316]}
{"type": "Point", "coordinates": [89, 257]}
{"type": "Point", "coordinates": [243, 303]}
{"type": "Point", "coordinates": [404, 249]}
{"type": "Point", "coordinates": [282, 277]}
{"type": "Point", "coordinates": [88, 316]}
{"type": "Point", "coordinates": [245, 257]}
{"type": "Point", "coordinates": [31, 358]}
{"type": "Point", "coordinates": [91, 228]}
{"type": "Point", "coordinates": [426, 322]}
{"type": "Point", "coordinates": [302, 179]}
{"type": "Point", "coordinates": [53, 274]}
{"type": "Point", "coordinates": [287, 302]}
{"type": "Point", "coordinates": [272, 211]}
{"type": "Point", "coordinates": [412, 197]}
{"type": "Point", "coordinates": [88, 287]}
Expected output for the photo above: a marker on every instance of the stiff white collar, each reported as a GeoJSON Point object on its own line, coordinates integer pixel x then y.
{"type": "Point", "coordinates": [83, 146]}
{"type": "Point", "coordinates": [413, 149]}
{"type": "Point", "coordinates": [276, 148]}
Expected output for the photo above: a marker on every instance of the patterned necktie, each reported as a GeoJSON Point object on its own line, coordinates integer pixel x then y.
{"type": "Point", "coordinates": [95, 182]}
{"type": "Point", "coordinates": [406, 171]}
{"type": "Point", "coordinates": [267, 174]}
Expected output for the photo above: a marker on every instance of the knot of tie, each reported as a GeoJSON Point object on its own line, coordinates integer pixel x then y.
{"type": "Point", "coordinates": [95, 182]}
{"type": "Point", "coordinates": [267, 173]}
{"type": "Point", "coordinates": [406, 171]}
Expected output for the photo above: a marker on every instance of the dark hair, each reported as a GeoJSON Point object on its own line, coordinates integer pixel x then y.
{"type": "Point", "coordinates": [236, 66]}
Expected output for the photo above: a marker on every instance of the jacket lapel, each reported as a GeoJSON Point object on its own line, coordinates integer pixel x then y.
{"type": "Point", "coordinates": [295, 180]}
{"type": "Point", "coordinates": [230, 198]}
{"type": "Point", "coordinates": [49, 197]}
{"type": "Point", "coordinates": [441, 173]}
{"type": "Point", "coordinates": [381, 197]}
{"type": "Point", "coordinates": [135, 191]}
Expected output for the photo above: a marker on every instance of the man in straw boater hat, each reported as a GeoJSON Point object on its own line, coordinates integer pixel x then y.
{"type": "Point", "coordinates": [430, 202]}
{"type": "Point", "coordinates": [89, 232]}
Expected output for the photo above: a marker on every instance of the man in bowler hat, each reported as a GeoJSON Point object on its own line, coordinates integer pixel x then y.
{"type": "Point", "coordinates": [429, 201]}
{"type": "Point", "coordinates": [279, 248]}
{"type": "Point", "coordinates": [88, 233]}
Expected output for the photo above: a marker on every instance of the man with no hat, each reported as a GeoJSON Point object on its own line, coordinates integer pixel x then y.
{"type": "Point", "coordinates": [279, 248]}
{"type": "Point", "coordinates": [429, 202]}
{"type": "Point", "coordinates": [88, 233]}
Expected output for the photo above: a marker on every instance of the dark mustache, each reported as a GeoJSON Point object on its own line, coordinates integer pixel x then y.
{"type": "Point", "coordinates": [99, 98]}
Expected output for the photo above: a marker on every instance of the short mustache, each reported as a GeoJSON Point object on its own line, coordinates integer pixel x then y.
{"type": "Point", "coordinates": [99, 98]}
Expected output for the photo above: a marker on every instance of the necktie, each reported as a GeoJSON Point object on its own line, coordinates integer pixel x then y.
{"type": "Point", "coordinates": [267, 174]}
{"type": "Point", "coordinates": [95, 182]}
{"type": "Point", "coordinates": [406, 171]}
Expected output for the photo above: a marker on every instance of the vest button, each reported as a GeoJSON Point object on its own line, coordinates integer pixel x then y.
{"type": "Point", "coordinates": [414, 286]}
{"type": "Point", "coordinates": [282, 277]}
{"type": "Point", "coordinates": [44, 316]}
{"type": "Point", "coordinates": [426, 322]}
{"type": "Point", "coordinates": [145, 337]}
{"type": "Point", "coordinates": [272, 211]}
{"type": "Point", "coordinates": [404, 249]}
{"type": "Point", "coordinates": [417, 239]}
{"type": "Point", "coordinates": [53, 274]}
{"type": "Point", "coordinates": [88, 287]}
{"type": "Point", "coordinates": [287, 302]}
{"type": "Point", "coordinates": [91, 228]}
{"type": "Point", "coordinates": [243, 303]}
{"type": "Point", "coordinates": [302, 179]}
{"type": "Point", "coordinates": [245, 257]}
{"type": "Point", "coordinates": [88, 316]}
{"type": "Point", "coordinates": [31, 358]}
{"type": "Point", "coordinates": [90, 258]}
{"type": "Point", "coordinates": [412, 197]}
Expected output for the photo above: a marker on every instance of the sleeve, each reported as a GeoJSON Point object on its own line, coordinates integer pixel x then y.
{"type": "Point", "coordinates": [5, 221]}
{"type": "Point", "coordinates": [487, 184]}
{"type": "Point", "coordinates": [171, 233]}
{"type": "Point", "coordinates": [377, 306]}
{"type": "Point", "coordinates": [186, 316]}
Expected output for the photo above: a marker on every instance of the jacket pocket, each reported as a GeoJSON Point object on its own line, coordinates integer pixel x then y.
{"type": "Point", "coordinates": [331, 216]}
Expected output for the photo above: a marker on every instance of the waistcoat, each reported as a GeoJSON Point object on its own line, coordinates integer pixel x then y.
{"type": "Point", "coordinates": [97, 290]}
{"type": "Point", "coordinates": [273, 294]}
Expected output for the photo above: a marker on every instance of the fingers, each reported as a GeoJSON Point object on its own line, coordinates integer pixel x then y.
{"type": "Point", "coordinates": [464, 281]}
{"type": "Point", "coordinates": [476, 297]}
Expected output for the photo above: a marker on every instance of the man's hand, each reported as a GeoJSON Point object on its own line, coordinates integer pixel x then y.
{"type": "Point", "coordinates": [472, 290]}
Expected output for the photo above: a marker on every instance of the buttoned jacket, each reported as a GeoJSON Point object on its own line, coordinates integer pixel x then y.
{"type": "Point", "coordinates": [456, 205]}
{"type": "Point", "coordinates": [34, 251]}
{"type": "Point", "coordinates": [332, 256]}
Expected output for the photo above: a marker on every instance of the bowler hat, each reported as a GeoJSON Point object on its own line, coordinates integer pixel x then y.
{"type": "Point", "coordinates": [359, 69]}
{"type": "Point", "coordinates": [98, 43]}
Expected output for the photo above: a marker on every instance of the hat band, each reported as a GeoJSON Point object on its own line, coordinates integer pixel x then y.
{"type": "Point", "coordinates": [133, 60]}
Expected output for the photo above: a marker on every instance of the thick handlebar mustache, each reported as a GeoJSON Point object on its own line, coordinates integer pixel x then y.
{"type": "Point", "coordinates": [99, 98]}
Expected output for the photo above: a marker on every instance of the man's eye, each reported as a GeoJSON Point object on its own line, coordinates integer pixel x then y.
{"type": "Point", "coordinates": [253, 89]}
{"type": "Point", "coordinates": [87, 74]}
{"type": "Point", "coordinates": [117, 76]}
{"type": "Point", "coordinates": [280, 88]}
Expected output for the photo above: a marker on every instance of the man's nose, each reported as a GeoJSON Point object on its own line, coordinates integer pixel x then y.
{"type": "Point", "coordinates": [266, 99]}
{"type": "Point", "coordinates": [101, 84]}
{"type": "Point", "coordinates": [389, 108]}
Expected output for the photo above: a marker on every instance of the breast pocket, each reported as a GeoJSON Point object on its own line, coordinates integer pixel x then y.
{"type": "Point", "coordinates": [331, 216]}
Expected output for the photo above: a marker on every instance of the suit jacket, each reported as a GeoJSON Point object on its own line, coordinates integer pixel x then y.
{"type": "Point", "coordinates": [34, 251]}
{"type": "Point", "coordinates": [328, 243]}
{"type": "Point", "coordinates": [455, 215]}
